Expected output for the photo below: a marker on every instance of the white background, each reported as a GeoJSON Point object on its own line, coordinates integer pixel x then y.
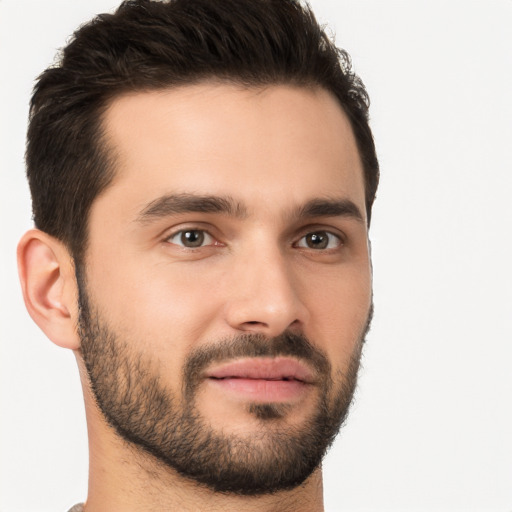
{"type": "Point", "coordinates": [431, 428]}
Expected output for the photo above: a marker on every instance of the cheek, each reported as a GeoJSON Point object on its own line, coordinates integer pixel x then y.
{"type": "Point", "coordinates": [164, 309]}
{"type": "Point", "coordinates": [339, 309]}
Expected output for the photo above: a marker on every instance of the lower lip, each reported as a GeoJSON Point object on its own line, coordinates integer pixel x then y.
{"type": "Point", "coordinates": [262, 390]}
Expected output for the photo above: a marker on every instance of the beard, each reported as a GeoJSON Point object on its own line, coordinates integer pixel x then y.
{"type": "Point", "coordinates": [128, 390]}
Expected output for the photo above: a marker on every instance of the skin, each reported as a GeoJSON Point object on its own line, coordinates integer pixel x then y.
{"type": "Point", "coordinates": [271, 150]}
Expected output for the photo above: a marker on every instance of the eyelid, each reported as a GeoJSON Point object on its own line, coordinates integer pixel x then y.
{"type": "Point", "coordinates": [310, 230]}
{"type": "Point", "coordinates": [330, 234]}
{"type": "Point", "coordinates": [183, 229]}
{"type": "Point", "coordinates": [314, 228]}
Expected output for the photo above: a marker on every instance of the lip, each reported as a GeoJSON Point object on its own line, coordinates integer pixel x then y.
{"type": "Point", "coordinates": [280, 379]}
{"type": "Point", "coordinates": [263, 368]}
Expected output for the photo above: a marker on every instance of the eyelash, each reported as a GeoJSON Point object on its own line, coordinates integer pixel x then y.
{"type": "Point", "coordinates": [332, 238]}
{"type": "Point", "coordinates": [183, 232]}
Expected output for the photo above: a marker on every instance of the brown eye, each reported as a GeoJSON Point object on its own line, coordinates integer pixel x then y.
{"type": "Point", "coordinates": [191, 238]}
{"type": "Point", "coordinates": [320, 240]}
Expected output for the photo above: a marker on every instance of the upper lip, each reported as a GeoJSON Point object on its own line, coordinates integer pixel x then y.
{"type": "Point", "coordinates": [264, 368]}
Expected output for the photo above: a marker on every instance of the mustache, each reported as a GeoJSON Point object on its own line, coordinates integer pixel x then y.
{"type": "Point", "coordinates": [254, 345]}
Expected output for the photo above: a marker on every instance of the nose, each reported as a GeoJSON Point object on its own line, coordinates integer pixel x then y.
{"type": "Point", "coordinates": [265, 295]}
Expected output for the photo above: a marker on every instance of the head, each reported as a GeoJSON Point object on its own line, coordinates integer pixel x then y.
{"type": "Point", "coordinates": [209, 169]}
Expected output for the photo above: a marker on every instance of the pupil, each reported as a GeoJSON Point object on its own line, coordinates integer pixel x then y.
{"type": "Point", "coordinates": [192, 238]}
{"type": "Point", "coordinates": [317, 240]}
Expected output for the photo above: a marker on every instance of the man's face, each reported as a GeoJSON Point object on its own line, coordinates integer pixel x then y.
{"type": "Point", "coordinates": [227, 281]}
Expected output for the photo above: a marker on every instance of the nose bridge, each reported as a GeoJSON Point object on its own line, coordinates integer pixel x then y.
{"type": "Point", "coordinates": [264, 295]}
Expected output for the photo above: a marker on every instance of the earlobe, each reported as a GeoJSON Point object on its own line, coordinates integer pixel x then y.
{"type": "Point", "coordinates": [49, 288]}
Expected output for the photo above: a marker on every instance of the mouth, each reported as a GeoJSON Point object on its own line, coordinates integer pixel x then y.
{"type": "Point", "coordinates": [264, 380]}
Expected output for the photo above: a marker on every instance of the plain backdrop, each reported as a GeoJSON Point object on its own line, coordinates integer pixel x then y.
{"type": "Point", "coordinates": [431, 427]}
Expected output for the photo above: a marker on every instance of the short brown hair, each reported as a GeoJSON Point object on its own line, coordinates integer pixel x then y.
{"type": "Point", "coordinates": [148, 45]}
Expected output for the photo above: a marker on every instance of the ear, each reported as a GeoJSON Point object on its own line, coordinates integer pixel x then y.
{"type": "Point", "coordinates": [48, 283]}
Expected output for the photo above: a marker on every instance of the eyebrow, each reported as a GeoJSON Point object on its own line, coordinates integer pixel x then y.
{"type": "Point", "coordinates": [176, 204]}
{"type": "Point", "coordinates": [190, 203]}
{"type": "Point", "coordinates": [329, 208]}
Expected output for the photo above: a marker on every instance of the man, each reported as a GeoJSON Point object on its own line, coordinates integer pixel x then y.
{"type": "Point", "coordinates": [202, 176]}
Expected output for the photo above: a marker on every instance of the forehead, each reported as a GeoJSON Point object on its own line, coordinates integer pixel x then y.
{"type": "Point", "coordinates": [259, 145]}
